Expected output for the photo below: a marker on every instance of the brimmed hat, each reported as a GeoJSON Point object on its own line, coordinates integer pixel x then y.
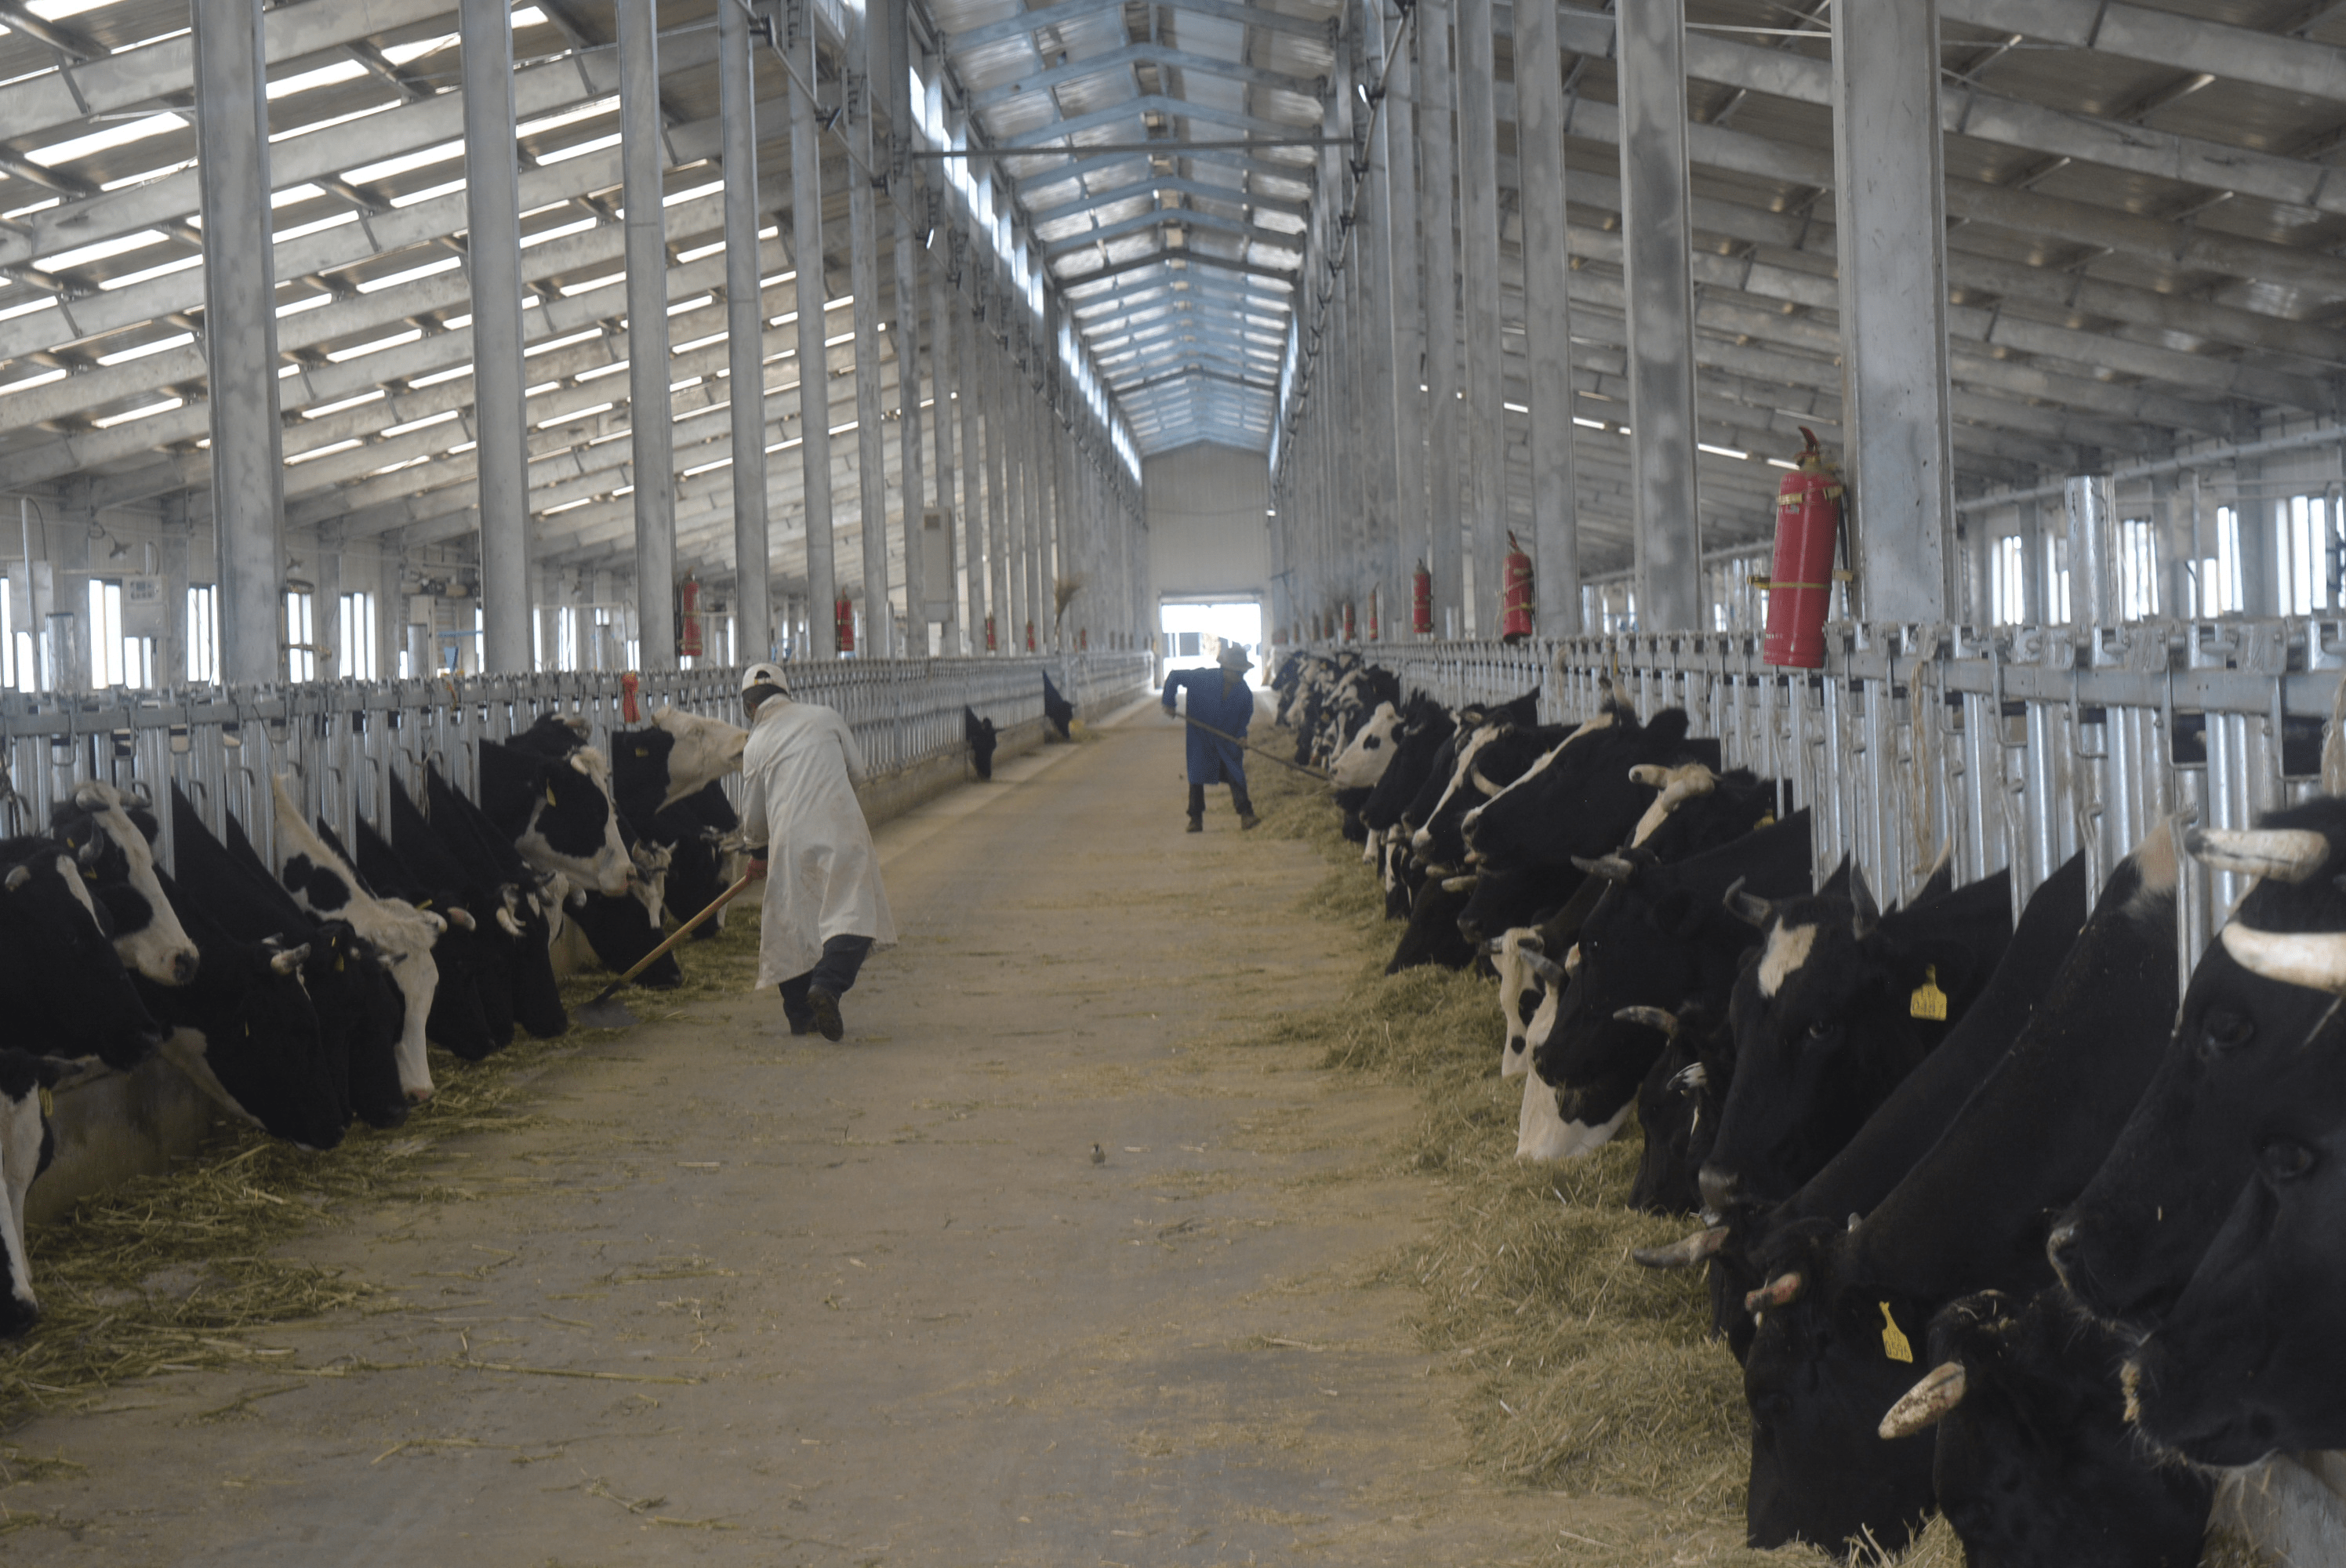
{"type": "Point", "coordinates": [758, 675]}
{"type": "Point", "coordinates": [1233, 655]}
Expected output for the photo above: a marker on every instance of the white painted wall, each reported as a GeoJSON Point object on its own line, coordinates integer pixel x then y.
{"type": "Point", "coordinates": [1208, 532]}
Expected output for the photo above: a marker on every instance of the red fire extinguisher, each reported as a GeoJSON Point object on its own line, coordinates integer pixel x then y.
{"type": "Point", "coordinates": [687, 618]}
{"type": "Point", "coordinates": [1083, 639]}
{"type": "Point", "coordinates": [630, 683]}
{"type": "Point", "coordinates": [989, 633]}
{"type": "Point", "coordinates": [1375, 624]}
{"type": "Point", "coordinates": [1799, 588]}
{"type": "Point", "coordinates": [1030, 636]}
{"type": "Point", "coordinates": [844, 619]}
{"type": "Point", "coordinates": [1515, 606]}
{"type": "Point", "coordinates": [1352, 632]}
{"type": "Point", "coordinates": [1420, 601]}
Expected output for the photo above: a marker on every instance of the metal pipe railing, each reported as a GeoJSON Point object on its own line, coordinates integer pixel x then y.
{"type": "Point", "coordinates": [2016, 745]}
{"type": "Point", "coordinates": [345, 742]}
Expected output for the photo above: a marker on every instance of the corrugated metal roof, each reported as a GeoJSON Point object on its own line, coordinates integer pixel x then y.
{"type": "Point", "coordinates": [1178, 266]}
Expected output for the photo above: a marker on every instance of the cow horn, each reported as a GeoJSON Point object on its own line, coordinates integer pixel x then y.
{"type": "Point", "coordinates": [1927, 1403]}
{"type": "Point", "coordinates": [288, 960]}
{"type": "Point", "coordinates": [1686, 1254]}
{"type": "Point", "coordinates": [1496, 946]}
{"type": "Point", "coordinates": [1543, 966]}
{"type": "Point", "coordinates": [1652, 775]}
{"type": "Point", "coordinates": [1748, 908]}
{"type": "Point", "coordinates": [93, 848]}
{"type": "Point", "coordinates": [1651, 1017]}
{"type": "Point", "coordinates": [1780, 1291]}
{"type": "Point", "coordinates": [17, 877]}
{"type": "Point", "coordinates": [1459, 884]}
{"type": "Point", "coordinates": [1612, 868]}
{"type": "Point", "coordinates": [1572, 959]}
{"type": "Point", "coordinates": [1867, 913]}
{"type": "Point", "coordinates": [2316, 960]}
{"type": "Point", "coordinates": [462, 918]}
{"type": "Point", "coordinates": [2283, 855]}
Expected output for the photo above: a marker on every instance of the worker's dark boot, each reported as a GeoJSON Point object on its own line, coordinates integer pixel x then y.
{"type": "Point", "coordinates": [825, 1007]}
{"type": "Point", "coordinates": [1197, 825]}
{"type": "Point", "coordinates": [1248, 818]}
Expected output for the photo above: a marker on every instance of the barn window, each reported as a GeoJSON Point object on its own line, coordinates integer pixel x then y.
{"type": "Point", "coordinates": [355, 642]}
{"type": "Point", "coordinates": [2007, 581]}
{"type": "Point", "coordinates": [203, 633]}
{"type": "Point", "coordinates": [115, 657]}
{"type": "Point", "coordinates": [2138, 570]}
{"type": "Point", "coordinates": [301, 635]}
{"type": "Point", "coordinates": [2308, 571]}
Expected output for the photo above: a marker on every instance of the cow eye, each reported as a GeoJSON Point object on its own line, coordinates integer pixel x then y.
{"type": "Point", "coordinates": [2285, 1161]}
{"type": "Point", "coordinates": [1820, 1031]}
{"type": "Point", "coordinates": [2224, 1032]}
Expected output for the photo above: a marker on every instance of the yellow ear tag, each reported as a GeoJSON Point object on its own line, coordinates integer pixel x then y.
{"type": "Point", "coordinates": [549, 794]}
{"type": "Point", "coordinates": [1928, 1001]}
{"type": "Point", "coordinates": [1767, 821]}
{"type": "Point", "coordinates": [1893, 1343]}
{"type": "Point", "coordinates": [48, 1101]}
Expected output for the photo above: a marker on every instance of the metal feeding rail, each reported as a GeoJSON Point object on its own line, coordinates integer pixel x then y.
{"type": "Point", "coordinates": [346, 741]}
{"type": "Point", "coordinates": [2015, 746]}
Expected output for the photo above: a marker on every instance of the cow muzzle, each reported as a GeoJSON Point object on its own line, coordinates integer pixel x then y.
{"type": "Point", "coordinates": [1721, 1189]}
{"type": "Point", "coordinates": [184, 965]}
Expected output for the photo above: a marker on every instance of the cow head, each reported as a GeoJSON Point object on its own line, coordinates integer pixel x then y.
{"type": "Point", "coordinates": [567, 821]}
{"type": "Point", "coordinates": [1678, 1106]}
{"type": "Point", "coordinates": [27, 1144]}
{"type": "Point", "coordinates": [1828, 1357]}
{"type": "Point", "coordinates": [64, 978]}
{"type": "Point", "coordinates": [2256, 1038]}
{"type": "Point", "coordinates": [111, 837]}
{"type": "Point", "coordinates": [2034, 1460]}
{"type": "Point", "coordinates": [648, 887]}
{"type": "Point", "coordinates": [705, 750]}
{"type": "Point", "coordinates": [1363, 760]}
{"type": "Point", "coordinates": [1837, 1006]}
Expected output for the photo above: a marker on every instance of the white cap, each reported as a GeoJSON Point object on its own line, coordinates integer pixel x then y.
{"type": "Point", "coordinates": [766, 675]}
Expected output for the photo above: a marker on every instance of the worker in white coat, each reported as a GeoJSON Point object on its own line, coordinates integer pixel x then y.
{"type": "Point", "coordinates": [824, 909]}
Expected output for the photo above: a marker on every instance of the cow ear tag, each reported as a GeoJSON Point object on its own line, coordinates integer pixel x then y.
{"type": "Point", "coordinates": [550, 795]}
{"type": "Point", "coordinates": [48, 1101]}
{"type": "Point", "coordinates": [1928, 1002]}
{"type": "Point", "coordinates": [1893, 1342]}
{"type": "Point", "coordinates": [1767, 821]}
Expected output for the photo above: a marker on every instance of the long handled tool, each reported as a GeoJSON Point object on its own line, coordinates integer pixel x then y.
{"type": "Point", "coordinates": [602, 1013]}
{"type": "Point", "coordinates": [1240, 742]}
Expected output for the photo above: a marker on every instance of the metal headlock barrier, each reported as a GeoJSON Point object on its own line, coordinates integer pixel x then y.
{"type": "Point", "coordinates": [346, 742]}
{"type": "Point", "coordinates": [2014, 746]}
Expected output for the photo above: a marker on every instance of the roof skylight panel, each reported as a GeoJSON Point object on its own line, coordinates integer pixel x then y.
{"type": "Point", "coordinates": [121, 133]}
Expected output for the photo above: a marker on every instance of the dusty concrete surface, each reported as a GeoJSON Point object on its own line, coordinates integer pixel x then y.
{"type": "Point", "coordinates": [739, 1298]}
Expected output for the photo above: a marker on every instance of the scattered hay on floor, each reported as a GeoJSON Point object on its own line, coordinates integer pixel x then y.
{"type": "Point", "coordinates": [177, 1273]}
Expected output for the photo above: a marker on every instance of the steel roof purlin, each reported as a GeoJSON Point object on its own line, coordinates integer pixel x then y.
{"type": "Point", "coordinates": [1166, 160]}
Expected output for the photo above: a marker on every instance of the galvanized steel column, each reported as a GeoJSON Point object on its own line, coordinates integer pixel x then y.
{"type": "Point", "coordinates": [908, 193]}
{"type": "Point", "coordinates": [745, 328]}
{"type": "Point", "coordinates": [1438, 83]}
{"type": "Point", "coordinates": [1013, 407]}
{"type": "Point", "coordinates": [1889, 206]}
{"type": "Point", "coordinates": [1658, 284]}
{"type": "Point", "coordinates": [813, 359]}
{"type": "Point", "coordinates": [1548, 316]}
{"type": "Point", "coordinates": [1478, 249]}
{"type": "Point", "coordinates": [863, 271]}
{"type": "Point", "coordinates": [650, 418]}
{"type": "Point", "coordinates": [944, 375]}
{"type": "Point", "coordinates": [2089, 503]}
{"type": "Point", "coordinates": [1397, 144]}
{"type": "Point", "coordinates": [493, 266]}
{"type": "Point", "coordinates": [991, 381]}
{"type": "Point", "coordinates": [240, 331]}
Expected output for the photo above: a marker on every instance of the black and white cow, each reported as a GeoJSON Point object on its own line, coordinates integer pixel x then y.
{"type": "Point", "coordinates": [1838, 1005]}
{"type": "Point", "coordinates": [531, 901]}
{"type": "Point", "coordinates": [1658, 938]}
{"type": "Point", "coordinates": [516, 980]}
{"type": "Point", "coordinates": [324, 884]}
{"type": "Point", "coordinates": [2035, 1461]}
{"type": "Point", "coordinates": [459, 1019]}
{"type": "Point", "coordinates": [550, 794]}
{"type": "Point", "coordinates": [67, 991]}
{"type": "Point", "coordinates": [246, 1032]}
{"type": "Point", "coordinates": [1841, 1298]}
{"type": "Point", "coordinates": [112, 836]}
{"type": "Point", "coordinates": [27, 1144]}
{"type": "Point", "coordinates": [358, 1009]}
{"type": "Point", "coordinates": [2253, 1044]}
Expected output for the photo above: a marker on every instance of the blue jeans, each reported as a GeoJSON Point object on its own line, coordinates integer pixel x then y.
{"type": "Point", "coordinates": [842, 958]}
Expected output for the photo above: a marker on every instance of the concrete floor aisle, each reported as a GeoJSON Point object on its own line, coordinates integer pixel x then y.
{"type": "Point", "coordinates": [767, 1300]}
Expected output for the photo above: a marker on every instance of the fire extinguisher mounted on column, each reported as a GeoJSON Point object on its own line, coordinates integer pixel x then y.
{"type": "Point", "coordinates": [1352, 633]}
{"type": "Point", "coordinates": [844, 619]}
{"type": "Point", "coordinates": [1799, 588]}
{"type": "Point", "coordinates": [1515, 610]}
{"type": "Point", "coordinates": [1376, 624]}
{"type": "Point", "coordinates": [1420, 601]}
{"type": "Point", "coordinates": [989, 633]}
